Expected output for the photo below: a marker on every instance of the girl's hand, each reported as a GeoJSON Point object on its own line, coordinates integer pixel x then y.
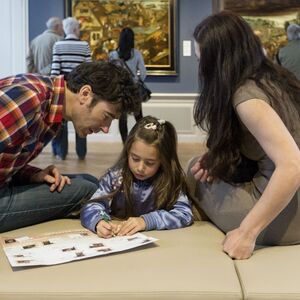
{"type": "Point", "coordinates": [132, 225]}
{"type": "Point", "coordinates": [107, 229]}
{"type": "Point", "coordinates": [238, 245]}
{"type": "Point", "coordinates": [52, 176]}
{"type": "Point", "coordinates": [200, 173]}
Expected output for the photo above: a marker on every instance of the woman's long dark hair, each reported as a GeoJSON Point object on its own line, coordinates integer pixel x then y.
{"type": "Point", "coordinates": [126, 43]}
{"type": "Point", "coordinates": [231, 54]}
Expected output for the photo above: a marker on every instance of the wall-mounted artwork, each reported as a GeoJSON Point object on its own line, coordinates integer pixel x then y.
{"type": "Point", "coordinates": [268, 18]}
{"type": "Point", "coordinates": [153, 22]}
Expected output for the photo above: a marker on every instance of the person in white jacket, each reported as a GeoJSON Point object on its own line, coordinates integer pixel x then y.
{"type": "Point", "coordinates": [39, 56]}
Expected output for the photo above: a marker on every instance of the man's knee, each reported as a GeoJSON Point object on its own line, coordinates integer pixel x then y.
{"type": "Point", "coordinates": [85, 176]}
{"type": "Point", "coordinates": [81, 188]}
{"type": "Point", "coordinates": [80, 191]}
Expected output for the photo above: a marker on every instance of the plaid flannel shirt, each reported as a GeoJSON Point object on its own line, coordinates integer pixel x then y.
{"type": "Point", "coordinates": [30, 116]}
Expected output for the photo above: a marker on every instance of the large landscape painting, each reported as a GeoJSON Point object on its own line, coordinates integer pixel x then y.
{"type": "Point", "coordinates": [153, 22]}
{"type": "Point", "coordinates": [268, 18]}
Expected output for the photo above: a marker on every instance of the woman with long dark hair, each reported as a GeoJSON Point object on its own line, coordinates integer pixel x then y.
{"type": "Point", "coordinates": [135, 63]}
{"type": "Point", "coordinates": [248, 181]}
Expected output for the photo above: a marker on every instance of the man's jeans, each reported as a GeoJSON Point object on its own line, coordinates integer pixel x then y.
{"type": "Point", "coordinates": [25, 205]}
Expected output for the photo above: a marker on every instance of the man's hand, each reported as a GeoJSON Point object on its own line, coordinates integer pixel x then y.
{"type": "Point", "coordinates": [52, 176]}
{"type": "Point", "coordinates": [132, 225]}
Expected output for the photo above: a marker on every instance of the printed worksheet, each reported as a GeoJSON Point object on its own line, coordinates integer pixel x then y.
{"type": "Point", "coordinates": [60, 247]}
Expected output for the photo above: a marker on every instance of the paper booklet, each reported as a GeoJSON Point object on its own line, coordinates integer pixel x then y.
{"type": "Point", "coordinates": [60, 247]}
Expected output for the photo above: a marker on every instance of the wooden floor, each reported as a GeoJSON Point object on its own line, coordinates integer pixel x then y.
{"type": "Point", "coordinates": [101, 156]}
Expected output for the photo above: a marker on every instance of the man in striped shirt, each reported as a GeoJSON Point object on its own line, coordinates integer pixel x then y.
{"type": "Point", "coordinates": [31, 111]}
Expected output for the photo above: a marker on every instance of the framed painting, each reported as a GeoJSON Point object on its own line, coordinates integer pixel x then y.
{"type": "Point", "coordinates": [153, 22]}
{"type": "Point", "coordinates": [269, 19]}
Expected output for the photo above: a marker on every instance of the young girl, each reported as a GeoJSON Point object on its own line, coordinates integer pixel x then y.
{"type": "Point", "coordinates": [146, 186]}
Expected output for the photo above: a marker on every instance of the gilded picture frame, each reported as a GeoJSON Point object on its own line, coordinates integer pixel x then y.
{"type": "Point", "coordinates": [269, 19]}
{"type": "Point", "coordinates": [153, 22]}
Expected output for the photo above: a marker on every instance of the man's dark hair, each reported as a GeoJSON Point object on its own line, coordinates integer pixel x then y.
{"type": "Point", "coordinates": [108, 81]}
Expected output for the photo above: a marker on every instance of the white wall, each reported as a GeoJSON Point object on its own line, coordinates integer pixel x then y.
{"type": "Point", "coordinates": [14, 36]}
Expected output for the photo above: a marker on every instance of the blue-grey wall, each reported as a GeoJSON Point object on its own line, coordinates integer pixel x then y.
{"type": "Point", "coordinates": [190, 13]}
{"type": "Point", "coordinates": [40, 11]}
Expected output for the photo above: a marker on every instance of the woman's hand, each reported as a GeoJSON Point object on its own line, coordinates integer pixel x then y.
{"type": "Point", "coordinates": [239, 245]}
{"type": "Point", "coordinates": [132, 225]}
{"type": "Point", "coordinates": [200, 173]}
{"type": "Point", "coordinates": [52, 176]}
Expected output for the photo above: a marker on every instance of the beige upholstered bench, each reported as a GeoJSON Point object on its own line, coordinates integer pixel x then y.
{"type": "Point", "coordinates": [184, 264]}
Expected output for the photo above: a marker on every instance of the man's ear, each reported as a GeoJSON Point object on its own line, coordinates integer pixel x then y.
{"type": "Point", "coordinates": [85, 94]}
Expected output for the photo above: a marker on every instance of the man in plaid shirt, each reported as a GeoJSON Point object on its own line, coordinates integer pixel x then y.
{"type": "Point", "coordinates": [31, 111]}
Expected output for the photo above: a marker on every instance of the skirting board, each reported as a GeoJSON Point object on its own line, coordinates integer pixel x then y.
{"type": "Point", "coordinates": [176, 108]}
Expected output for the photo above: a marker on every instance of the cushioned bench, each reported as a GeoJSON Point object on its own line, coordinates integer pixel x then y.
{"type": "Point", "coordinates": [184, 264]}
